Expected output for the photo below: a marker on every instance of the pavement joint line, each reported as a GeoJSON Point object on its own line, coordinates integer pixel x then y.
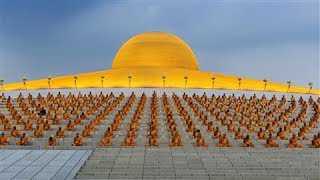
{"type": "Point", "coordinates": [30, 163]}
{"type": "Point", "coordinates": [11, 152]}
{"type": "Point", "coordinates": [47, 162]}
{"type": "Point", "coordinates": [77, 166]}
{"type": "Point", "coordinates": [64, 164]}
{"type": "Point", "coordinates": [17, 160]}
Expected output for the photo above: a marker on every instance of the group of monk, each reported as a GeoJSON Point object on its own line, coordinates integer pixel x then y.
{"type": "Point", "coordinates": [153, 123]}
{"type": "Point", "coordinates": [246, 119]}
{"type": "Point", "coordinates": [189, 123]}
{"type": "Point", "coordinates": [275, 116]}
{"type": "Point", "coordinates": [133, 125]}
{"type": "Point", "coordinates": [175, 138]}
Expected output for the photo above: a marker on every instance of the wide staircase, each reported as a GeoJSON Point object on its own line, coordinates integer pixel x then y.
{"type": "Point", "coordinates": [200, 163]}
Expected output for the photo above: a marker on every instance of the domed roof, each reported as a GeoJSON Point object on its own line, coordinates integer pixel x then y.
{"type": "Point", "coordinates": [155, 49]}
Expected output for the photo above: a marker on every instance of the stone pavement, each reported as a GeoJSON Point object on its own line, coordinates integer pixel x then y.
{"type": "Point", "coordinates": [201, 163]}
{"type": "Point", "coordinates": [41, 164]}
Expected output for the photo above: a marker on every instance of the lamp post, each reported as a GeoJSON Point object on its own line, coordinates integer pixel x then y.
{"type": "Point", "coordinates": [213, 78]}
{"type": "Point", "coordinates": [24, 80]}
{"type": "Point", "coordinates": [289, 85]}
{"type": "Point", "coordinates": [75, 81]}
{"type": "Point", "coordinates": [102, 78]}
{"type": "Point", "coordinates": [239, 82]}
{"type": "Point", "coordinates": [310, 86]}
{"type": "Point", "coordinates": [1, 83]}
{"type": "Point", "coordinates": [164, 80]}
{"type": "Point", "coordinates": [265, 83]}
{"type": "Point", "coordinates": [185, 81]}
{"type": "Point", "coordinates": [49, 81]}
{"type": "Point", "coordinates": [129, 78]}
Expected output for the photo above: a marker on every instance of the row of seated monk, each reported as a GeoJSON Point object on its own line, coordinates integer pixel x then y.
{"type": "Point", "coordinates": [271, 106]}
{"type": "Point", "coordinates": [129, 141]}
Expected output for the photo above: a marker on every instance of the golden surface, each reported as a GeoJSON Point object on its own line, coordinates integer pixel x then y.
{"type": "Point", "coordinates": [149, 56]}
{"type": "Point", "coordinates": [152, 77]}
{"type": "Point", "coordinates": [155, 49]}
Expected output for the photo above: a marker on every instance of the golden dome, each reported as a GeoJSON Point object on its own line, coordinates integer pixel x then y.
{"type": "Point", "coordinates": [155, 49]}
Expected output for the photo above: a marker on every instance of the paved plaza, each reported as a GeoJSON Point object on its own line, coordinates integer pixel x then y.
{"type": "Point", "coordinates": [41, 164]}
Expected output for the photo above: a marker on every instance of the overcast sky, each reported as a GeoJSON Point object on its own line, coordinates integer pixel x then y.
{"type": "Point", "coordinates": [278, 40]}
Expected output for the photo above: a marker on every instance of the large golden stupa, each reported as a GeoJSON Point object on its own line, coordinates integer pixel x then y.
{"type": "Point", "coordinates": [155, 59]}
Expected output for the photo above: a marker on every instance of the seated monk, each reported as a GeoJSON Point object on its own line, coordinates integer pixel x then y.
{"type": "Point", "coordinates": [38, 132]}
{"type": "Point", "coordinates": [83, 116]}
{"type": "Point", "coordinates": [269, 128]}
{"type": "Point", "coordinates": [20, 121]}
{"type": "Point", "coordinates": [195, 134]}
{"type": "Point", "coordinates": [4, 139]}
{"type": "Point", "coordinates": [261, 134]}
{"type": "Point", "coordinates": [316, 141]}
{"type": "Point", "coordinates": [293, 142]}
{"type": "Point", "coordinates": [210, 127]}
{"type": "Point", "coordinates": [77, 141]}
{"type": "Point", "coordinates": [302, 135]}
{"type": "Point", "coordinates": [129, 140]}
{"type": "Point", "coordinates": [16, 116]}
{"type": "Point", "coordinates": [56, 120]}
{"type": "Point", "coordinates": [243, 122]}
{"type": "Point", "coordinates": [7, 126]}
{"type": "Point", "coordinates": [216, 134]}
{"type": "Point", "coordinates": [282, 134]}
{"type": "Point", "coordinates": [23, 140]}
{"type": "Point", "coordinates": [271, 142]}
{"type": "Point", "coordinates": [49, 115]}
{"type": "Point", "coordinates": [60, 133]}
{"type": "Point", "coordinates": [154, 131]}
{"type": "Point", "coordinates": [47, 126]}
{"type": "Point", "coordinates": [97, 120]}
{"type": "Point", "coordinates": [152, 140]}
{"type": "Point", "coordinates": [27, 126]}
{"type": "Point", "coordinates": [106, 140]}
{"type": "Point", "coordinates": [259, 123]}
{"type": "Point", "coordinates": [33, 116]}
{"type": "Point", "coordinates": [200, 142]}
{"type": "Point", "coordinates": [77, 120]}
{"type": "Point", "coordinates": [275, 123]}
{"type": "Point", "coordinates": [40, 121]}
{"type": "Point", "coordinates": [70, 126]}
{"type": "Point", "coordinates": [231, 127]}
{"type": "Point", "coordinates": [66, 116]}
{"type": "Point", "coordinates": [224, 122]}
{"type": "Point", "coordinates": [86, 132]}
{"type": "Point", "coordinates": [15, 132]}
{"type": "Point", "coordinates": [191, 127]}
{"type": "Point", "coordinates": [109, 132]}
{"type": "Point", "coordinates": [287, 128]}
{"type": "Point", "coordinates": [239, 134]}
{"type": "Point", "coordinates": [250, 128]}
{"type": "Point", "coordinates": [224, 141]}
{"type": "Point", "coordinates": [115, 126]}
{"type": "Point", "coordinates": [92, 126]}
{"type": "Point", "coordinates": [206, 122]}
{"type": "Point", "coordinates": [247, 142]}
{"type": "Point", "coordinates": [52, 141]}
{"type": "Point", "coordinates": [176, 140]}
{"type": "Point", "coordinates": [132, 132]}
{"type": "Point", "coordinates": [172, 127]}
